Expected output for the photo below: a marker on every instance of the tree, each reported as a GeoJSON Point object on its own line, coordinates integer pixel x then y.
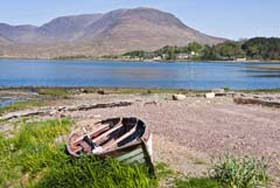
{"type": "Point", "coordinates": [229, 50]}
{"type": "Point", "coordinates": [195, 47]}
{"type": "Point", "coordinates": [262, 48]}
{"type": "Point", "coordinates": [171, 55]}
{"type": "Point", "coordinates": [208, 53]}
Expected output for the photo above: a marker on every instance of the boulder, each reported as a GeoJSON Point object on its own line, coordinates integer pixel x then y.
{"type": "Point", "coordinates": [218, 90]}
{"type": "Point", "coordinates": [178, 97]}
{"type": "Point", "coordinates": [210, 95]}
{"type": "Point", "coordinates": [101, 92]}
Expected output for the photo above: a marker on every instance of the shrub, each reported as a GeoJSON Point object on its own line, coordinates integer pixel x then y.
{"type": "Point", "coordinates": [240, 172]}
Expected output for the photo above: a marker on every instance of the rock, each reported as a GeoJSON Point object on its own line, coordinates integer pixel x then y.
{"type": "Point", "coordinates": [97, 116]}
{"type": "Point", "coordinates": [178, 97]}
{"type": "Point", "coordinates": [218, 90]}
{"type": "Point", "coordinates": [150, 103]}
{"type": "Point", "coordinates": [232, 94]}
{"type": "Point", "coordinates": [210, 95]}
{"type": "Point", "coordinates": [101, 92]}
{"type": "Point", "coordinates": [52, 113]}
{"type": "Point", "coordinates": [62, 115]}
{"type": "Point", "coordinates": [82, 90]}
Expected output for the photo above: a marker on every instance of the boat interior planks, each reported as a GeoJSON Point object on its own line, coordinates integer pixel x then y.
{"type": "Point", "coordinates": [127, 139]}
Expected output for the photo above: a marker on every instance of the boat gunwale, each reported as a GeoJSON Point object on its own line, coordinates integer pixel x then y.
{"type": "Point", "coordinates": [144, 138]}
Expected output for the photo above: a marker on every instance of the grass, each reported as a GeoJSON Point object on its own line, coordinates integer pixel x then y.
{"type": "Point", "coordinates": [21, 105]}
{"type": "Point", "coordinates": [178, 180]}
{"type": "Point", "coordinates": [54, 92]}
{"type": "Point", "coordinates": [33, 158]}
{"type": "Point", "coordinates": [198, 183]}
{"type": "Point", "coordinates": [163, 171]}
{"type": "Point", "coordinates": [240, 172]}
{"type": "Point", "coordinates": [230, 172]}
{"type": "Point", "coordinates": [140, 91]}
{"type": "Point", "coordinates": [276, 90]}
{"type": "Point", "coordinates": [60, 92]}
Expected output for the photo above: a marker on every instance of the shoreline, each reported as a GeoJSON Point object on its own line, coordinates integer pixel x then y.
{"type": "Point", "coordinates": [138, 61]}
{"type": "Point", "coordinates": [131, 90]}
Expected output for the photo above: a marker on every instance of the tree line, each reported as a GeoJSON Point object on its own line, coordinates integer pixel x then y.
{"type": "Point", "coordinates": [259, 48]}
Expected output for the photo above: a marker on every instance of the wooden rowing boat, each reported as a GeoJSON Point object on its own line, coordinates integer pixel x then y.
{"type": "Point", "coordinates": [126, 139]}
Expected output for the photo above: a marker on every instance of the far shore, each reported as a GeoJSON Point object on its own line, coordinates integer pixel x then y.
{"type": "Point", "coordinates": [133, 60]}
{"type": "Point", "coordinates": [123, 90]}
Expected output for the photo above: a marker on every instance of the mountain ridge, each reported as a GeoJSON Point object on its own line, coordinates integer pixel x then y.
{"type": "Point", "coordinates": [115, 32]}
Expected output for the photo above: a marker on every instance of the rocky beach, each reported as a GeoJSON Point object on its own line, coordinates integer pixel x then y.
{"type": "Point", "coordinates": [189, 130]}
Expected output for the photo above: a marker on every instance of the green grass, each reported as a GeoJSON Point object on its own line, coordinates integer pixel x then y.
{"type": "Point", "coordinates": [244, 172]}
{"type": "Point", "coordinates": [141, 91]}
{"type": "Point", "coordinates": [21, 106]}
{"type": "Point", "coordinates": [54, 92]}
{"type": "Point", "coordinates": [163, 171]}
{"type": "Point", "coordinates": [277, 90]}
{"type": "Point", "coordinates": [198, 183]}
{"type": "Point", "coordinates": [33, 158]}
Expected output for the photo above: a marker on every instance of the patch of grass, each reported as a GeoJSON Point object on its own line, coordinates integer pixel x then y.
{"type": "Point", "coordinates": [92, 172]}
{"type": "Point", "coordinates": [164, 171]}
{"type": "Point", "coordinates": [54, 92]}
{"type": "Point", "coordinates": [33, 158]}
{"type": "Point", "coordinates": [198, 183]}
{"type": "Point", "coordinates": [149, 91]}
{"type": "Point", "coordinates": [240, 172]}
{"type": "Point", "coordinates": [30, 150]}
{"type": "Point", "coordinates": [276, 90]}
{"type": "Point", "coordinates": [21, 106]}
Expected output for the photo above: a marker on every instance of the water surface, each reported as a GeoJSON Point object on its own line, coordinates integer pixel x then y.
{"type": "Point", "coordinates": [191, 75]}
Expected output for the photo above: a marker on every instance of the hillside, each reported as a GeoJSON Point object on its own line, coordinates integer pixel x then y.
{"type": "Point", "coordinates": [115, 32]}
{"type": "Point", "coordinates": [4, 41]}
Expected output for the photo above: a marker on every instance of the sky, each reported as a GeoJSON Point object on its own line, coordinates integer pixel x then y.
{"type": "Point", "coordinates": [232, 19]}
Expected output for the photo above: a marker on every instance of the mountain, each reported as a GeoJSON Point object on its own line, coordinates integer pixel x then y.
{"type": "Point", "coordinates": [68, 28]}
{"type": "Point", "coordinates": [3, 40]}
{"type": "Point", "coordinates": [111, 33]}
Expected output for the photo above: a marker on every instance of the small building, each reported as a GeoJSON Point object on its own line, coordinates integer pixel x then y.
{"type": "Point", "coordinates": [194, 53]}
{"type": "Point", "coordinates": [241, 59]}
{"type": "Point", "coordinates": [158, 58]}
{"type": "Point", "coordinates": [183, 56]}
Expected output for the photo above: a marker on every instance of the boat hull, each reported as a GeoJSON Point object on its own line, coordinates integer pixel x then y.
{"type": "Point", "coordinates": [138, 150]}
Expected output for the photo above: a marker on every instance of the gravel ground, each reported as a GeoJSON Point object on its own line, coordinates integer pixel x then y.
{"type": "Point", "coordinates": [188, 133]}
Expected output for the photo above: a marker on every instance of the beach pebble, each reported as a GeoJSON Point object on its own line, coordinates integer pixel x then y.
{"type": "Point", "coordinates": [178, 97]}
{"type": "Point", "coordinates": [218, 90]}
{"type": "Point", "coordinates": [210, 95]}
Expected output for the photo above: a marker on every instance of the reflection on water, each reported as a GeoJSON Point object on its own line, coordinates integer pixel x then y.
{"type": "Point", "coordinates": [7, 101]}
{"type": "Point", "coordinates": [191, 75]}
{"type": "Point", "coordinates": [266, 76]}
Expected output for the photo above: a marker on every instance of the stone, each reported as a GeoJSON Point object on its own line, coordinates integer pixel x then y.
{"type": "Point", "coordinates": [150, 103]}
{"type": "Point", "coordinates": [101, 92]}
{"type": "Point", "coordinates": [178, 97]}
{"type": "Point", "coordinates": [218, 90]}
{"type": "Point", "coordinates": [84, 90]}
{"type": "Point", "coordinates": [210, 95]}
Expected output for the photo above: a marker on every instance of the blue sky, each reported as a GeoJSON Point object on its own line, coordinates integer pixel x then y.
{"type": "Point", "coordinates": [234, 19]}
